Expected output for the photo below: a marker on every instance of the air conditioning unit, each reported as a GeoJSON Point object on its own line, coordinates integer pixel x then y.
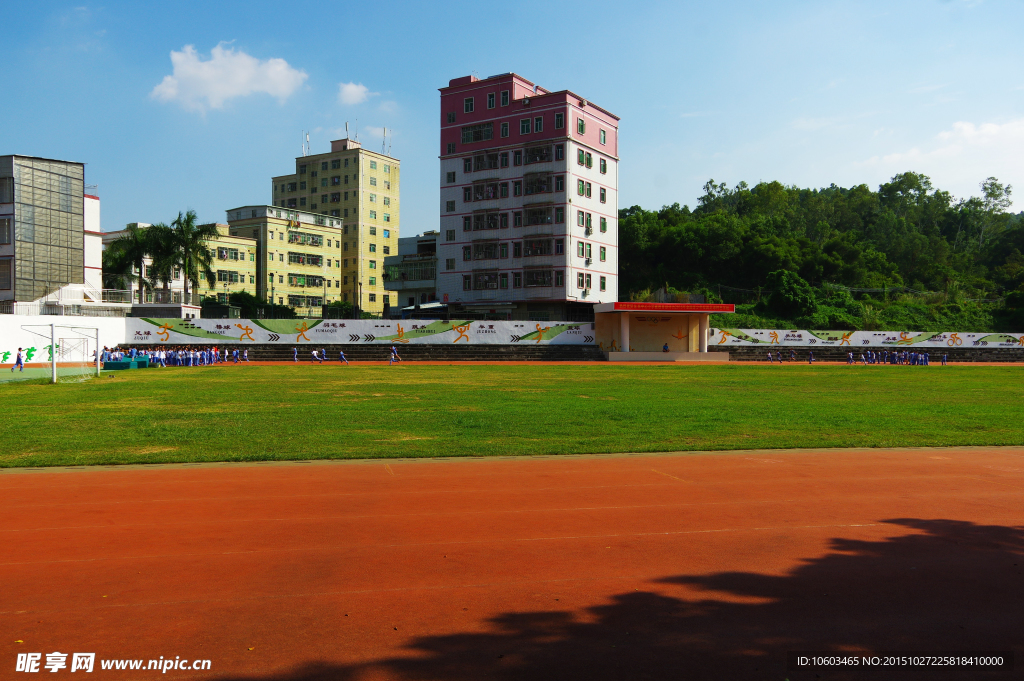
{"type": "Point", "coordinates": [586, 262]}
{"type": "Point", "coordinates": [586, 292]}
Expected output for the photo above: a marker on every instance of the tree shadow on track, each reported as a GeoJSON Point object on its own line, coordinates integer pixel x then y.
{"type": "Point", "coordinates": [947, 586]}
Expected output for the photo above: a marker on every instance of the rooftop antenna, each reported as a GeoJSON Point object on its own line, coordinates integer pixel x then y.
{"type": "Point", "coordinates": [357, 130]}
{"type": "Point", "coordinates": [384, 142]}
{"type": "Point", "coordinates": [346, 129]}
{"type": "Point", "coordinates": [307, 144]}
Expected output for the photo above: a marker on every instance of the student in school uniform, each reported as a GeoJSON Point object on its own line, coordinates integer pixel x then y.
{"type": "Point", "coordinates": [234, 354]}
{"type": "Point", "coordinates": [394, 356]}
{"type": "Point", "coordinates": [245, 354]}
{"type": "Point", "coordinates": [341, 356]}
{"type": "Point", "coordinates": [315, 356]}
{"type": "Point", "coordinates": [810, 357]}
{"type": "Point", "coordinates": [295, 354]}
{"type": "Point", "coordinates": [770, 360]}
{"type": "Point", "coordinates": [19, 361]}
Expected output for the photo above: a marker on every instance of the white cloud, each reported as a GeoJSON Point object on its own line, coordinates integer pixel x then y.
{"type": "Point", "coordinates": [389, 106]}
{"type": "Point", "coordinates": [227, 74]}
{"type": "Point", "coordinates": [351, 94]}
{"type": "Point", "coordinates": [959, 158]}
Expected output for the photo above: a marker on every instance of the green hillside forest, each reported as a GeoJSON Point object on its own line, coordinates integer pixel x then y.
{"type": "Point", "coordinates": [908, 256]}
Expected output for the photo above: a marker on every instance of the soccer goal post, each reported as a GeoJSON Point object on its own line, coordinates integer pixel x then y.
{"type": "Point", "coordinates": [74, 351]}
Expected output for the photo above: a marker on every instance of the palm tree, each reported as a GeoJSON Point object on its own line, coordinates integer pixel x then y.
{"type": "Point", "coordinates": [163, 252]}
{"type": "Point", "coordinates": [133, 247]}
{"type": "Point", "coordinates": [191, 249]}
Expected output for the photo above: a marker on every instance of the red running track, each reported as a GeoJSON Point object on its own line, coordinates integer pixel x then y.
{"type": "Point", "coordinates": [706, 566]}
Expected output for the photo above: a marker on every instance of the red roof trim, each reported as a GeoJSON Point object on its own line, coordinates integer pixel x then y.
{"type": "Point", "coordinates": [675, 307]}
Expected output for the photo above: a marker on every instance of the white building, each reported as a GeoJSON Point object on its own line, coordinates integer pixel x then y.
{"type": "Point", "coordinates": [529, 201]}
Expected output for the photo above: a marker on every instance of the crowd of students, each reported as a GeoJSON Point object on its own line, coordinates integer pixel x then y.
{"type": "Point", "coordinates": [183, 356]}
{"type": "Point", "coordinates": [907, 357]}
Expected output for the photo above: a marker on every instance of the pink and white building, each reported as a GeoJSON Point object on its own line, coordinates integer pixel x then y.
{"type": "Point", "coordinates": [529, 201]}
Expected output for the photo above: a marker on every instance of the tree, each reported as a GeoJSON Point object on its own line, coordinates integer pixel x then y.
{"type": "Point", "coordinates": [133, 247]}
{"type": "Point", "coordinates": [192, 251]}
{"type": "Point", "coordinates": [791, 296]}
{"type": "Point", "coordinates": [163, 253]}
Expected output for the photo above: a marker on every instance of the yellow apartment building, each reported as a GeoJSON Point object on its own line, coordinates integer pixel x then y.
{"type": "Point", "coordinates": [306, 260]}
{"type": "Point", "coordinates": [234, 264]}
{"type": "Point", "coordinates": [358, 190]}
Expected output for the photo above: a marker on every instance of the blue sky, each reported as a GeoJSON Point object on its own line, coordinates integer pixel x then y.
{"type": "Point", "coordinates": [807, 93]}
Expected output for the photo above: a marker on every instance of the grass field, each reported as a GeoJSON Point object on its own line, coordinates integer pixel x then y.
{"type": "Point", "coordinates": [255, 412]}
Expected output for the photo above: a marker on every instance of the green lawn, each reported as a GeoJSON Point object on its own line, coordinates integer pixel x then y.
{"type": "Point", "coordinates": [257, 412]}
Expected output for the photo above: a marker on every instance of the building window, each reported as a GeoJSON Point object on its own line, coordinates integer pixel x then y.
{"type": "Point", "coordinates": [451, 147]}
{"type": "Point", "coordinates": [504, 190]}
{"type": "Point", "coordinates": [467, 165]}
{"type": "Point", "coordinates": [5, 274]}
{"type": "Point", "coordinates": [604, 166]}
{"type": "Point", "coordinates": [373, 215]}
{"type": "Point", "coordinates": [451, 117]}
{"type": "Point", "coordinates": [387, 168]}
{"type": "Point", "coordinates": [449, 206]}
{"type": "Point", "coordinates": [477, 133]}
{"type": "Point", "coordinates": [504, 97]}
{"type": "Point", "coordinates": [588, 225]}
{"type": "Point", "coordinates": [559, 215]}
{"type": "Point", "coordinates": [467, 282]}
{"type": "Point", "coordinates": [517, 280]}
{"type": "Point", "coordinates": [559, 152]}
{"type": "Point", "coordinates": [579, 280]}
{"type": "Point", "coordinates": [467, 194]}
{"type": "Point", "coordinates": [581, 126]}
{"type": "Point", "coordinates": [517, 249]}
{"type": "Point", "coordinates": [372, 296]}
{"type": "Point", "coordinates": [373, 198]}
{"type": "Point", "coordinates": [503, 250]}
{"type": "Point", "coordinates": [517, 188]}
{"type": "Point", "coordinates": [603, 253]}
{"type": "Point", "coordinates": [588, 190]}
{"type": "Point", "coordinates": [373, 165]}
{"type": "Point", "coordinates": [604, 195]}
{"type": "Point", "coordinates": [538, 124]}
{"type": "Point", "coordinates": [559, 183]}
{"type": "Point", "coordinates": [504, 129]}
{"type": "Point", "coordinates": [467, 253]}
{"type": "Point", "coordinates": [387, 217]}
{"type": "Point", "coordinates": [373, 264]}
{"type": "Point", "coordinates": [604, 282]}
{"type": "Point", "coordinates": [579, 218]}
{"type": "Point", "coordinates": [467, 105]}
{"type": "Point", "coordinates": [387, 200]}
{"type": "Point", "coordinates": [449, 264]}
{"type": "Point", "coordinates": [517, 158]}
{"type": "Point", "coordinates": [517, 219]}
{"type": "Point", "coordinates": [5, 231]}
{"type": "Point", "coordinates": [467, 223]}
{"type": "Point", "coordinates": [581, 187]}
{"type": "Point", "coordinates": [604, 224]}
{"type": "Point", "coordinates": [373, 181]}
{"type": "Point", "coordinates": [373, 248]}
{"type": "Point", "coordinates": [524, 126]}
{"type": "Point", "coordinates": [450, 177]}
{"type": "Point", "coordinates": [449, 235]}
{"type": "Point", "coordinates": [559, 121]}
{"type": "Point", "coordinates": [490, 100]}
{"type": "Point", "coordinates": [589, 159]}
{"type": "Point", "coordinates": [373, 231]}
{"type": "Point", "coordinates": [503, 280]}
